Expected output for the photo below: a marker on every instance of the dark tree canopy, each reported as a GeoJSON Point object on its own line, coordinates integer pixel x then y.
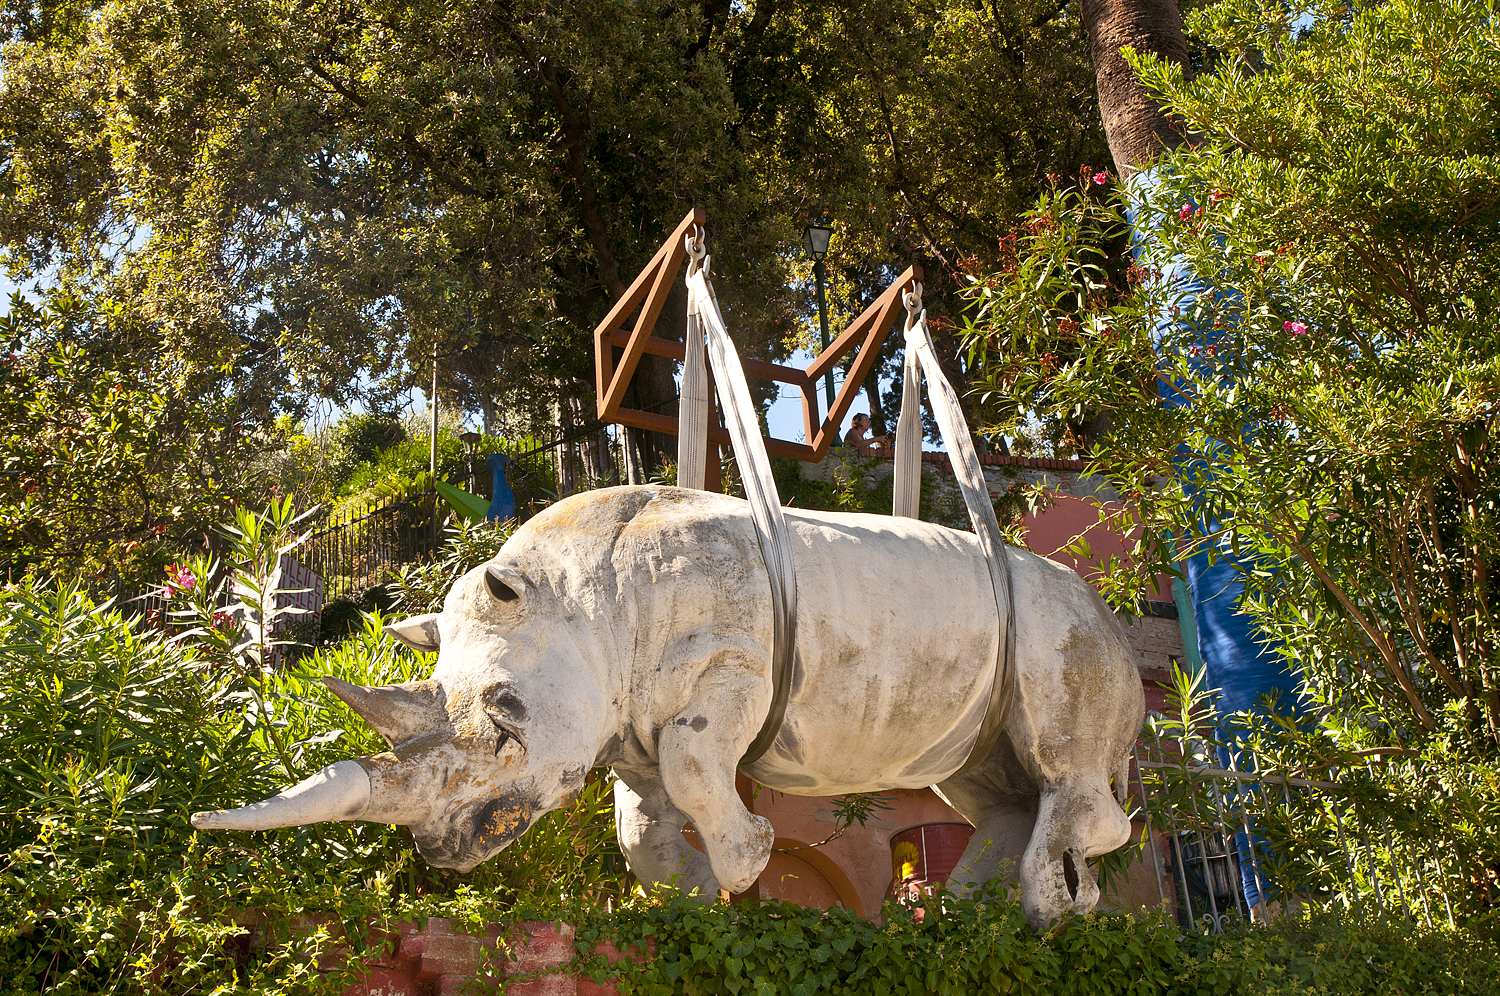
{"type": "Point", "coordinates": [329, 192]}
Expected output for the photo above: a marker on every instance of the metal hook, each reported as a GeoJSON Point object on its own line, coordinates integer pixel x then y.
{"type": "Point", "coordinates": [698, 256]}
{"type": "Point", "coordinates": [912, 299]}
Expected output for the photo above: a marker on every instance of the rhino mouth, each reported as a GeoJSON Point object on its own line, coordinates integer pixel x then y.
{"type": "Point", "coordinates": [478, 832]}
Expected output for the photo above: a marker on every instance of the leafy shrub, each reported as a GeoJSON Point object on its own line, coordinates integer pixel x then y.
{"type": "Point", "coordinates": [358, 439]}
{"type": "Point", "coordinates": [984, 945]}
{"type": "Point", "coordinates": [110, 463]}
{"type": "Point", "coordinates": [113, 732]}
{"type": "Point", "coordinates": [421, 587]}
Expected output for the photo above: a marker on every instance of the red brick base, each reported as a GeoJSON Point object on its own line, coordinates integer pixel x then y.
{"type": "Point", "coordinates": [446, 959]}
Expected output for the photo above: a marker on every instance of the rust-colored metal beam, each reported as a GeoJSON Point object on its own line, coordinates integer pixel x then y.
{"type": "Point", "coordinates": [874, 324]}
{"type": "Point", "coordinates": [650, 286]}
{"type": "Point", "coordinates": [649, 293]}
{"type": "Point", "coordinates": [674, 350]}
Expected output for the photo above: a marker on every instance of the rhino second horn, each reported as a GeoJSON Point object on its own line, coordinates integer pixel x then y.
{"type": "Point", "coordinates": [339, 792]}
{"type": "Point", "coordinates": [418, 632]}
{"type": "Point", "coordinates": [396, 712]}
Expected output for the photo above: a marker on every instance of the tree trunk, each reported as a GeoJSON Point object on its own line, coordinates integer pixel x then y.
{"type": "Point", "coordinates": [565, 451]}
{"type": "Point", "coordinates": [634, 472]}
{"type": "Point", "coordinates": [872, 394]}
{"type": "Point", "coordinates": [1137, 130]}
{"type": "Point", "coordinates": [489, 412]}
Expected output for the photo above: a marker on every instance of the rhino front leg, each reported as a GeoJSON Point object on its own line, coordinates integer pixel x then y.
{"type": "Point", "coordinates": [698, 751]}
{"type": "Point", "coordinates": [650, 832]}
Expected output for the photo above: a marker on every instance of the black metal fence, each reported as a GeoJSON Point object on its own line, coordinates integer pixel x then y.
{"type": "Point", "coordinates": [356, 549]}
{"type": "Point", "coordinates": [1212, 826]}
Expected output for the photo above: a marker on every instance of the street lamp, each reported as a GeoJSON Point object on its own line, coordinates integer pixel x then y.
{"type": "Point", "coordinates": [470, 439]}
{"type": "Point", "coordinates": [816, 240]}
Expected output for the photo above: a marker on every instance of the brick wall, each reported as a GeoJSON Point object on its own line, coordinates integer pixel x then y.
{"type": "Point", "coordinates": [443, 958]}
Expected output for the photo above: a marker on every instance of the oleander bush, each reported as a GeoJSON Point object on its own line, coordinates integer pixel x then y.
{"type": "Point", "coordinates": [114, 729]}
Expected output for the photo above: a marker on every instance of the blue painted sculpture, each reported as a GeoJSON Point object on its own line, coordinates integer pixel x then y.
{"type": "Point", "coordinates": [502, 498]}
{"type": "Point", "coordinates": [1240, 662]}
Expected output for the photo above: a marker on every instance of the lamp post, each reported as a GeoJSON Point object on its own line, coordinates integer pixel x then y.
{"type": "Point", "coordinates": [432, 465]}
{"type": "Point", "coordinates": [817, 237]}
{"type": "Point", "coordinates": [470, 439]}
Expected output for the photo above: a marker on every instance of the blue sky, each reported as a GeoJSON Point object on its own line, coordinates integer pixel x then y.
{"type": "Point", "coordinates": [785, 414]}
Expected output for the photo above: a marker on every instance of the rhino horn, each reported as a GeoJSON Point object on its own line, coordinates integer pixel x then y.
{"type": "Point", "coordinates": [339, 792]}
{"type": "Point", "coordinates": [396, 712]}
{"type": "Point", "coordinates": [375, 789]}
{"type": "Point", "coordinates": [418, 632]}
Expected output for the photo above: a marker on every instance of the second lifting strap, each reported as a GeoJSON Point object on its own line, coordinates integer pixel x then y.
{"type": "Point", "coordinates": [708, 336]}
{"type": "Point", "coordinates": [922, 363]}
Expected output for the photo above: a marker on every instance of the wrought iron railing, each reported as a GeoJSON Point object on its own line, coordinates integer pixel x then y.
{"type": "Point", "coordinates": [355, 549]}
{"type": "Point", "coordinates": [1217, 819]}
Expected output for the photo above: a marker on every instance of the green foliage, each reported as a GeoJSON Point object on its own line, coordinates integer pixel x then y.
{"type": "Point", "coordinates": [866, 485]}
{"type": "Point", "coordinates": [108, 461]}
{"type": "Point", "coordinates": [1056, 291]}
{"type": "Point", "coordinates": [1330, 955]}
{"type": "Point", "coordinates": [358, 439]}
{"type": "Point", "coordinates": [113, 735]}
{"type": "Point", "coordinates": [1381, 825]}
{"type": "Point", "coordinates": [984, 945]}
{"type": "Point", "coordinates": [421, 587]}
{"type": "Point", "coordinates": [317, 198]}
{"type": "Point", "coordinates": [113, 732]}
{"type": "Point", "coordinates": [1343, 379]}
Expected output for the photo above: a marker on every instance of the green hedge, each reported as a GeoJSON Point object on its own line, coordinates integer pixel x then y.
{"type": "Point", "coordinates": [971, 947]}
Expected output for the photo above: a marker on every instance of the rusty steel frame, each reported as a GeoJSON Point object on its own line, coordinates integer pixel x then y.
{"type": "Point", "coordinates": [648, 292]}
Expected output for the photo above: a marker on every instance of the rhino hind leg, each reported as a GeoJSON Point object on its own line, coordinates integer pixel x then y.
{"type": "Point", "coordinates": [698, 751]}
{"type": "Point", "coordinates": [649, 828]}
{"type": "Point", "coordinates": [1077, 818]}
{"type": "Point", "coordinates": [1037, 835]}
{"type": "Point", "coordinates": [1002, 828]}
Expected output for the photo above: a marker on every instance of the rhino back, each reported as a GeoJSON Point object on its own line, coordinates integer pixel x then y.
{"type": "Point", "coordinates": [896, 638]}
{"type": "Point", "coordinates": [897, 627]}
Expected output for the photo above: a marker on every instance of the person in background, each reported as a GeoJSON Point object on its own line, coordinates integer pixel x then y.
{"type": "Point", "coordinates": [855, 437]}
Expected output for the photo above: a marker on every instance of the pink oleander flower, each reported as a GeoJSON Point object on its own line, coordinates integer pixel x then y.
{"type": "Point", "coordinates": [1185, 213]}
{"type": "Point", "coordinates": [181, 579]}
{"type": "Point", "coordinates": [1101, 178]}
{"type": "Point", "coordinates": [1294, 328]}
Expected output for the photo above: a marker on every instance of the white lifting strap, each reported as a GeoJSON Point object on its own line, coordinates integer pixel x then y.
{"type": "Point", "coordinates": [705, 327]}
{"type": "Point", "coordinates": [921, 359]}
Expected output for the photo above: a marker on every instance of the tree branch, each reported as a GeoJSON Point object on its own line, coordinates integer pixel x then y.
{"type": "Point", "coordinates": [408, 137]}
{"type": "Point", "coordinates": [575, 145]}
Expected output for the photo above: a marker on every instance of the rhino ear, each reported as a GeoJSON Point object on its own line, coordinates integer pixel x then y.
{"type": "Point", "coordinates": [396, 712]}
{"type": "Point", "coordinates": [504, 585]}
{"type": "Point", "coordinates": [418, 632]}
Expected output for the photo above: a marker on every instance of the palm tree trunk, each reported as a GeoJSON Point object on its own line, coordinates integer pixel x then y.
{"type": "Point", "coordinates": [1137, 130]}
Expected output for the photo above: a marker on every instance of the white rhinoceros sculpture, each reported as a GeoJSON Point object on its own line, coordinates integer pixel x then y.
{"type": "Point", "coordinates": [631, 627]}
